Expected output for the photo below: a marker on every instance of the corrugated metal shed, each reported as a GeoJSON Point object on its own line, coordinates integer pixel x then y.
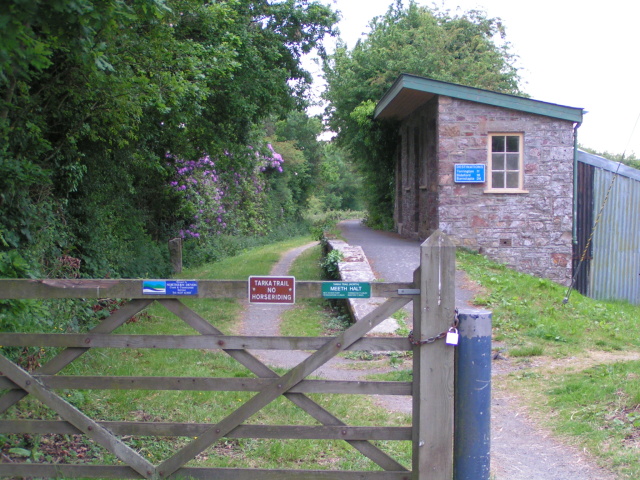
{"type": "Point", "coordinates": [614, 270]}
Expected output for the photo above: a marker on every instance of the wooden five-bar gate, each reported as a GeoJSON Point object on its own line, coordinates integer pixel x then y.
{"type": "Point", "coordinates": [431, 432]}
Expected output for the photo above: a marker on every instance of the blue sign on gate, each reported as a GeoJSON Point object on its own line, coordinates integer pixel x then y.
{"type": "Point", "coordinates": [469, 173]}
{"type": "Point", "coordinates": [170, 287]}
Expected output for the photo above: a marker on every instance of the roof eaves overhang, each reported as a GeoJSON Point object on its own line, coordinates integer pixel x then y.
{"type": "Point", "coordinates": [410, 92]}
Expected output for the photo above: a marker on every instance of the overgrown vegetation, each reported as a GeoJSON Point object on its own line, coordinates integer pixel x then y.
{"type": "Point", "coordinates": [110, 146]}
{"type": "Point", "coordinates": [95, 125]}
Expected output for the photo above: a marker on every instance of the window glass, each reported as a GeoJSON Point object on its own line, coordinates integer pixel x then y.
{"type": "Point", "coordinates": [506, 162]}
{"type": "Point", "coordinates": [513, 143]}
{"type": "Point", "coordinates": [497, 144]}
{"type": "Point", "coordinates": [513, 179]}
{"type": "Point", "coordinates": [497, 179]}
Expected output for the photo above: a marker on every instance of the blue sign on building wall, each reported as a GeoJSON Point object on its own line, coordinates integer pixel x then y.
{"type": "Point", "coordinates": [469, 173]}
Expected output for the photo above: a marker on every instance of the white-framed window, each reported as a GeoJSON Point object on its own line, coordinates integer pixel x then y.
{"type": "Point", "coordinates": [505, 164]}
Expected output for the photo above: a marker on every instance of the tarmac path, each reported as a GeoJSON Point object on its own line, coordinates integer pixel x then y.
{"type": "Point", "coordinates": [519, 449]}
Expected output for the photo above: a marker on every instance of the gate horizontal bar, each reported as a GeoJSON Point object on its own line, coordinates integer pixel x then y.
{"type": "Point", "coordinates": [190, 342]}
{"type": "Point", "coordinates": [213, 384]}
{"type": "Point", "coordinates": [176, 429]}
{"type": "Point", "coordinates": [124, 288]}
{"type": "Point", "coordinates": [107, 471]}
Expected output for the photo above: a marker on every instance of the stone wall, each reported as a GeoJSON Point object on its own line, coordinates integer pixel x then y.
{"type": "Point", "coordinates": [531, 232]}
{"type": "Point", "coordinates": [355, 267]}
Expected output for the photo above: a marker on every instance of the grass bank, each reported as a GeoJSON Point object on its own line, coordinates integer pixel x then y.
{"type": "Point", "coordinates": [576, 365]}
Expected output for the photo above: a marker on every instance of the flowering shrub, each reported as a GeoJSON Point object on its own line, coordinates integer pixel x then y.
{"type": "Point", "coordinates": [275, 161]}
{"type": "Point", "coordinates": [223, 196]}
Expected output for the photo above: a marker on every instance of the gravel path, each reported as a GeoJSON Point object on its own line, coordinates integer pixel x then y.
{"type": "Point", "coordinates": [519, 449]}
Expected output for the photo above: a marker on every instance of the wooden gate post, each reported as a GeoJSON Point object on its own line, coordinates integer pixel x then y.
{"type": "Point", "coordinates": [433, 363]}
{"type": "Point", "coordinates": [175, 254]}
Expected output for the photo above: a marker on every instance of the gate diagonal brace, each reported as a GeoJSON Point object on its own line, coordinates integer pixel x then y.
{"type": "Point", "coordinates": [75, 417]}
{"type": "Point", "coordinates": [68, 355]}
{"type": "Point", "coordinates": [316, 411]}
{"type": "Point", "coordinates": [273, 391]}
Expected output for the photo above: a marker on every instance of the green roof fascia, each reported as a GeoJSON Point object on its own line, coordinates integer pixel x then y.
{"type": "Point", "coordinates": [513, 102]}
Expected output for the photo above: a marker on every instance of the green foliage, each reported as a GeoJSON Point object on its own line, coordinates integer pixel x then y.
{"type": "Point", "coordinates": [58, 315]}
{"type": "Point", "coordinates": [468, 48]}
{"type": "Point", "coordinates": [303, 130]}
{"type": "Point", "coordinates": [12, 265]}
{"type": "Point", "coordinates": [14, 313]}
{"type": "Point", "coordinates": [340, 185]}
{"type": "Point", "coordinates": [330, 179]}
{"type": "Point", "coordinates": [204, 250]}
{"type": "Point", "coordinates": [89, 111]}
{"type": "Point", "coordinates": [329, 264]}
{"type": "Point", "coordinates": [289, 190]}
{"type": "Point", "coordinates": [95, 93]}
{"type": "Point", "coordinates": [631, 160]}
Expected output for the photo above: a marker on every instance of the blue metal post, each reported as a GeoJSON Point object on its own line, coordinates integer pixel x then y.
{"type": "Point", "coordinates": [472, 397]}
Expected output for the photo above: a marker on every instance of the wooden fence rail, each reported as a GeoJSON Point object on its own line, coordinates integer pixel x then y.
{"type": "Point", "coordinates": [432, 387]}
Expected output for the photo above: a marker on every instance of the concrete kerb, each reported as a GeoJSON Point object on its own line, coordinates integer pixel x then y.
{"type": "Point", "coordinates": [355, 267]}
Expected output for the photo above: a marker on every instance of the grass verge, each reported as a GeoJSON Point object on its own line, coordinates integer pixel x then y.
{"type": "Point", "coordinates": [596, 408]}
{"type": "Point", "coordinates": [576, 365]}
{"type": "Point", "coordinates": [529, 311]}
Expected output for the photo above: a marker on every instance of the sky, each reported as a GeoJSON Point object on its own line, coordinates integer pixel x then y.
{"type": "Point", "coordinates": [570, 52]}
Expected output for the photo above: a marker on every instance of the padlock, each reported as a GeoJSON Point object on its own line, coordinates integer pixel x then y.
{"type": "Point", "coordinates": [452, 336]}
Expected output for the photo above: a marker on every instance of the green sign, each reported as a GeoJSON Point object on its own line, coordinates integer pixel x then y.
{"type": "Point", "coordinates": [346, 290]}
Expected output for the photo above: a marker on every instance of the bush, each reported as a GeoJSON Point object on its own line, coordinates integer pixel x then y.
{"type": "Point", "coordinates": [49, 316]}
{"type": "Point", "coordinates": [329, 264]}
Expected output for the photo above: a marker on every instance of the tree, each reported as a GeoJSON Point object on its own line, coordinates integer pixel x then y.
{"type": "Point", "coordinates": [304, 132]}
{"type": "Point", "coordinates": [340, 186]}
{"type": "Point", "coordinates": [95, 93]}
{"type": "Point", "coordinates": [631, 160]}
{"type": "Point", "coordinates": [468, 49]}
{"type": "Point", "coordinates": [329, 179]}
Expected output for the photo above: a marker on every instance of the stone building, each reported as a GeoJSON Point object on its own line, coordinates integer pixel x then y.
{"type": "Point", "coordinates": [493, 171]}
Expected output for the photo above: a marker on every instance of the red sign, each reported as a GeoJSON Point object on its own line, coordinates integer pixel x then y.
{"type": "Point", "coordinates": [272, 290]}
